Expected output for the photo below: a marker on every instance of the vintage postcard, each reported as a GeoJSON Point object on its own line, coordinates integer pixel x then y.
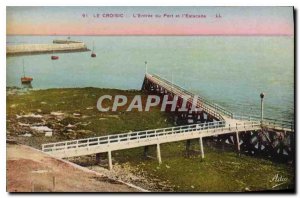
{"type": "Point", "coordinates": [150, 99]}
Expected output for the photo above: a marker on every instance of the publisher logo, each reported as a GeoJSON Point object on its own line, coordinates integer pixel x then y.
{"type": "Point", "coordinates": [278, 180]}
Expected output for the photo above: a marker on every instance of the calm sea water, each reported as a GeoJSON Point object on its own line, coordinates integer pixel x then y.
{"type": "Point", "coordinates": [231, 71]}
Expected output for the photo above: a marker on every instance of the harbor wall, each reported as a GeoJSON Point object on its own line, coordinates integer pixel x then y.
{"type": "Point", "coordinates": [65, 41]}
{"type": "Point", "coordinates": [44, 48]}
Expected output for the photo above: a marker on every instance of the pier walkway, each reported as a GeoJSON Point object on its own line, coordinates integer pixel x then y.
{"type": "Point", "coordinates": [222, 122]}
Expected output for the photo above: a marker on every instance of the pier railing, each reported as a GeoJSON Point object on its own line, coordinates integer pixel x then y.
{"type": "Point", "coordinates": [270, 122]}
{"type": "Point", "coordinates": [182, 93]}
{"type": "Point", "coordinates": [130, 136]}
{"type": "Point", "coordinates": [207, 129]}
{"type": "Point", "coordinates": [212, 105]}
{"type": "Point", "coordinates": [217, 110]}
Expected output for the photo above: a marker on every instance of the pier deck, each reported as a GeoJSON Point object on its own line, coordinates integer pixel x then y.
{"type": "Point", "coordinates": [222, 122]}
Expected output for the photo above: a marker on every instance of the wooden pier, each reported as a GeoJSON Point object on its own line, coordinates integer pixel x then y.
{"type": "Point", "coordinates": [274, 138]}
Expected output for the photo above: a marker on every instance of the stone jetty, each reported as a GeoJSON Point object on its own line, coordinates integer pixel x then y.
{"type": "Point", "coordinates": [24, 49]}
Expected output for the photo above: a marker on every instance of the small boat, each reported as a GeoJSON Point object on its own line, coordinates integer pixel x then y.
{"type": "Point", "coordinates": [93, 55]}
{"type": "Point", "coordinates": [24, 79]}
{"type": "Point", "coordinates": [54, 57]}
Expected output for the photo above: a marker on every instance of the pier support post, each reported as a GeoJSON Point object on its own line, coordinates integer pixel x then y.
{"type": "Point", "coordinates": [201, 147]}
{"type": "Point", "coordinates": [158, 153]}
{"type": "Point", "coordinates": [98, 158]}
{"type": "Point", "coordinates": [188, 147]}
{"type": "Point", "coordinates": [202, 117]}
{"type": "Point", "coordinates": [109, 160]}
{"type": "Point", "coordinates": [237, 142]}
{"type": "Point", "coordinates": [209, 118]}
{"type": "Point", "coordinates": [146, 152]}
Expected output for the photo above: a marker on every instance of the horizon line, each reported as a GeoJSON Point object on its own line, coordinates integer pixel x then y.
{"type": "Point", "coordinates": [149, 34]}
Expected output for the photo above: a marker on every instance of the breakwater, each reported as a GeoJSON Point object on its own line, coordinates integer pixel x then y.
{"type": "Point", "coordinates": [57, 41]}
{"type": "Point", "coordinates": [24, 49]}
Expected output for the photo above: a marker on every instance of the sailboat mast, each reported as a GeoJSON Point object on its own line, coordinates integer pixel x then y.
{"type": "Point", "coordinates": [23, 68]}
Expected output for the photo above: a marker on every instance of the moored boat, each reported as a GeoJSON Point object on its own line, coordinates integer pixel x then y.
{"type": "Point", "coordinates": [25, 79]}
{"type": "Point", "coordinates": [93, 55]}
{"type": "Point", "coordinates": [54, 57]}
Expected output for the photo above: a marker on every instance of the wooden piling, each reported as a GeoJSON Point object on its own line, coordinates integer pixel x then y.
{"type": "Point", "coordinates": [237, 141]}
{"type": "Point", "coordinates": [201, 147]}
{"type": "Point", "coordinates": [146, 152]}
{"type": "Point", "coordinates": [109, 160]}
{"type": "Point", "coordinates": [188, 147]}
{"type": "Point", "coordinates": [158, 154]}
{"type": "Point", "coordinates": [98, 158]}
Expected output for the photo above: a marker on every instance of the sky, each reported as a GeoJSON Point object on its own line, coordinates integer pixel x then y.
{"type": "Point", "coordinates": [155, 21]}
